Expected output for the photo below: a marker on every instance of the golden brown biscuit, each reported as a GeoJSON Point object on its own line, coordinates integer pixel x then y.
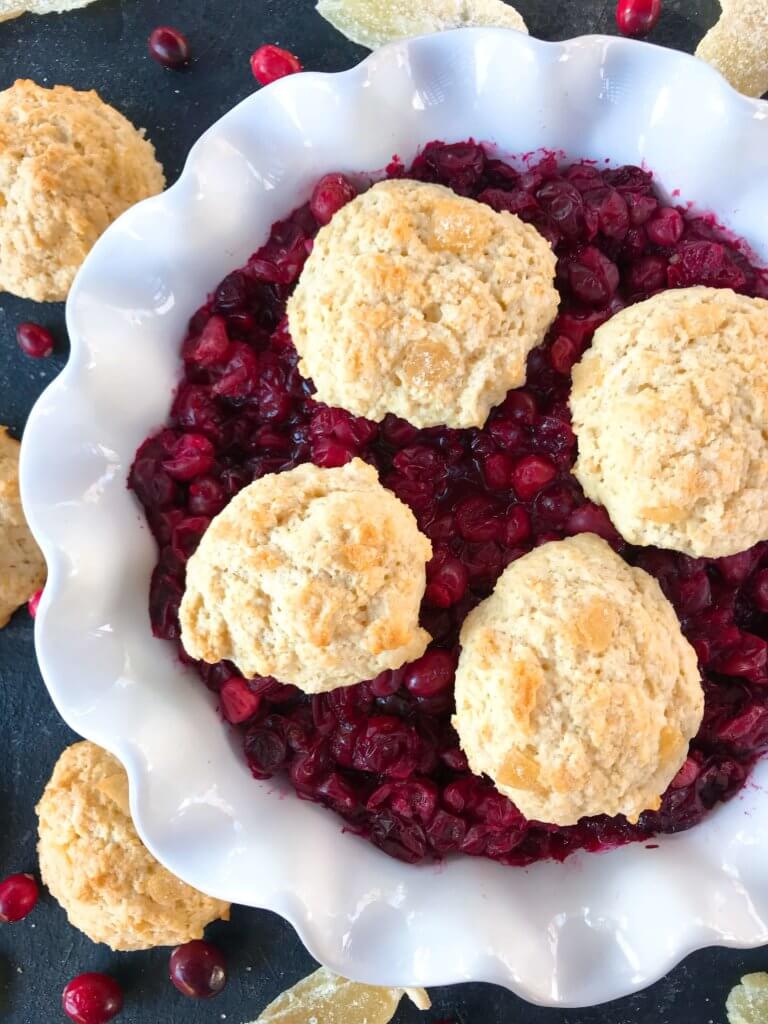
{"type": "Point", "coordinates": [576, 690]}
{"type": "Point", "coordinates": [422, 303]}
{"type": "Point", "coordinates": [69, 165]}
{"type": "Point", "coordinates": [14, 8]}
{"type": "Point", "coordinates": [95, 865]}
{"type": "Point", "coordinates": [22, 566]}
{"type": "Point", "coordinates": [738, 45]}
{"type": "Point", "coordinates": [670, 405]}
{"type": "Point", "coordinates": [314, 576]}
{"type": "Point", "coordinates": [373, 23]}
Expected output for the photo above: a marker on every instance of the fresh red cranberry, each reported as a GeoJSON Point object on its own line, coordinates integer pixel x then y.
{"type": "Point", "coordinates": [169, 47]}
{"type": "Point", "coordinates": [192, 455]}
{"type": "Point", "coordinates": [431, 674]}
{"type": "Point", "coordinates": [34, 340]}
{"type": "Point", "coordinates": [198, 969]}
{"type": "Point", "coordinates": [269, 63]}
{"type": "Point", "coordinates": [329, 195]}
{"type": "Point", "coordinates": [18, 896]}
{"type": "Point", "coordinates": [531, 474]}
{"type": "Point", "coordinates": [92, 999]}
{"type": "Point", "coordinates": [637, 17]}
{"type": "Point", "coordinates": [34, 603]}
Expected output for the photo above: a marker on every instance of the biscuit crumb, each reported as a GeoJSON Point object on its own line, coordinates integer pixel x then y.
{"type": "Point", "coordinates": [576, 691]}
{"type": "Point", "coordinates": [69, 165]}
{"type": "Point", "coordinates": [373, 23]}
{"type": "Point", "coordinates": [422, 303]}
{"type": "Point", "coordinates": [738, 45]}
{"type": "Point", "coordinates": [22, 566]}
{"type": "Point", "coordinates": [97, 868]}
{"type": "Point", "coordinates": [312, 576]}
{"type": "Point", "coordinates": [670, 407]}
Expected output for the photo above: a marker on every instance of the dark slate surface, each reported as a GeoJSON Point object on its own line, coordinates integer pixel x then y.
{"type": "Point", "coordinates": [103, 47]}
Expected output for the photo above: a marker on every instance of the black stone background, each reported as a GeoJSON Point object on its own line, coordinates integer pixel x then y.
{"type": "Point", "coordinates": [104, 47]}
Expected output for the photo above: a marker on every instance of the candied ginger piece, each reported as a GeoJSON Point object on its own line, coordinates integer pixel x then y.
{"type": "Point", "coordinates": [327, 998]}
{"type": "Point", "coordinates": [373, 23]}
{"type": "Point", "coordinates": [748, 1002]}
{"type": "Point", "coordinates": [738, 45]}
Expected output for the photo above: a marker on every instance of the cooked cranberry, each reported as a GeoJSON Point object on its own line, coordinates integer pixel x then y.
{"type": "Point", "coordinates": [477, 518]}
{"type": "Point", "coordinates": [641, 207]}
{"type": "Point", "coordinates": [386, 683]}
{"type": "Point", "coordinates": [269, 63]}
{"type": "Point", "coordinates": [590, 518]}
{"type": "Point", "coordinates": [207, 497]}
{"type": "Point", "coordinates": [34, 603]}
{"type": "Point", "coordinates": [610, 208]}
{"type": "Point", "coordinates": [497, 471]}
{"type": "Point", "coordinates": [593, 277]}
{"type": "Point", "coordinates": [446, 581]}
{"type": "Point", "coordinates": [531, 474]}
{"type": "Point", "coordinates": [238, 701]}
{"type": "Point", "coordinates": [92, 999]}
{"type": "Point", "coordinates": [563, 353]}
{"type": "Point", "coordinates": [760, 590]}
{"type": "Point", "coordinates": [647, 275]}
{"type": "Point", "coordinates": [666, 227]}
{"type": "Point", "coordinates": [265, 751]}
{"type": "Point", "coordinates": [211, 346]}
{"type": "Point", "coordinates": [192, 455]}
{"type": "Point", "coordinates": [34, 340]}
{"type": "Point", "coordinates": [707, 263]}
{"type": "Point", "coordinates": [329, 195]}
{"type": "Point", "coordinates": [169, 47]}
{"type": "Point", "coordinates": [383, 754]}
{"type": "Point", "coordinates": [18, 895]}
{"type": "Point", "coordinates": [637, 17]}
{"type": "Point", "coordinates": [198, 969]}
{"type": "Point", "coordinates": [431, 674]}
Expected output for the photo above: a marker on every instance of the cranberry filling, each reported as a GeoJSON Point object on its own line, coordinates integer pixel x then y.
{"type": "Point", "coordinates": [383, 754]}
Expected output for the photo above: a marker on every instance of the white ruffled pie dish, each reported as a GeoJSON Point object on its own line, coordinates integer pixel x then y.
{"type": "Point", "coordinates": [594, 928]}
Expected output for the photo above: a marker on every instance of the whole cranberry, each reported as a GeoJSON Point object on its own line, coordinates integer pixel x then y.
{"type": "Point", "coordinates": [92, 999]}
{"type": "Point", "coordinates": [329, 195]}
{"type": "Point", "coordinates": [531, 474]}
{"type": "Point", "coordinates": [198, 969]}
{"type": "Point", "coordinates": [18, 896]}
{"type": "Point", "coordinates": [169, 47]}
{"type": "Point", "coordinates": [431, 673]}
{"type": "Point", "coordinates": [34, 340]}
{"type": "Point", "coordinates": [34, 603]}
{"type": "Point", "coordinates": [269, 63]}
{"type": "Point", "coordinates": [637, 17]}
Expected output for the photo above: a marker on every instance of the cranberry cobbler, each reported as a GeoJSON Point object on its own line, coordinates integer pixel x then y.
{"type": "Point", "coordinates": [383, 754]}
